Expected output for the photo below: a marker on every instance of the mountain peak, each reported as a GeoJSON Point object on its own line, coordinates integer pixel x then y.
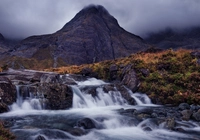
{"type": "Point", "coordinates": [94, 9]}
{"type": "Point", "coordinates": [90, 14]}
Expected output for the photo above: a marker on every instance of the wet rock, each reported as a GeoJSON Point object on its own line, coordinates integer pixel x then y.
{"type": "Point", "coordinates": [183, 106]}
{"type": "Point", "coordinates": [90, 90]}
{"type": "Point", "coordinates": [50, 78]}
{"type": "Point", "coordinates": [170, 123]}
{"type": "Point", "coordinates": [196, 115]}
{"type": "Point", "coordinates": [186, 114]}
{"type": "Point", "coordinates": [7, 94]}
{"type": "Point", "coordinates": [3, 107]}
{"type": "Point", "coordinates": [86, 123]}
{"type": "Point", "coordinates": [59, 96]}
{"type": "Point", "coordinates": [129, 78]}
{"type": "Point", "coordinates": [125, 94]}
{"type": "Point", "coordinates": [194, 107]}
{"type": "Point", "coordinates": [67, 80]}
{"type": "Point", "coordinates": [40, 138]}
{"type": "Point", "coordinates": [76, 131]}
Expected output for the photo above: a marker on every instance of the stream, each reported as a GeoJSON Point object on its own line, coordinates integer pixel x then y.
{"type": "Point", "coordinates": [105, 116]}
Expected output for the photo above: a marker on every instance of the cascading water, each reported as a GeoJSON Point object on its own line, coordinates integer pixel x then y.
{"type": "Point", "coordinates": [28, 101]}
{"type": "Point", "coordinates": [107, 115]}
{"type": "Point", "coordinates": [85, 100]}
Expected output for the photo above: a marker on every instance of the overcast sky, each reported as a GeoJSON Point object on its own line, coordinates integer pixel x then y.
{"type": "Point", "coordinates": [23, 18]}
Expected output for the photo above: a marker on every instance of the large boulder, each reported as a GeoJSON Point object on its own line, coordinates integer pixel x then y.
{"type": "Point", "coordinates": [129, 78]}
{"type": "Point", "coordinates": [7, 94]}
{"type": "Point", "coordinates": [59, 96]}
{"type": "Point", "coordinates": [196, 115]}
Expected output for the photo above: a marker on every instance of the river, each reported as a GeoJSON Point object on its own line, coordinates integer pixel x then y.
{"type": "Point", "coordinates": [91, 118]}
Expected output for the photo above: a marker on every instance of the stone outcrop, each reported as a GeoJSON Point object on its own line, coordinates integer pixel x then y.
{"type": "Point", "coordinates": [7, 94]}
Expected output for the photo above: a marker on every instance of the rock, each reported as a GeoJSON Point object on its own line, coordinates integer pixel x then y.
{"type": "Point", "coordinates": [194, 107]}
{"type": "Point", "coordinates": [76, 131]}
{"type": "Point", "coordinates": [50, 78]}
{"type": "Point", "coordinates": [67, 80]}
{"type": "Point", "coordinates": [59, 96]}
{"type": "Point", "coordinates": [40, 138]}
{"type": "Point", "coordinates": [88, 72]}
{"type": "Point", "coordinates": [170, 123]}
{"type": "Point", "coordinates": [113, 72]}
{"type": "Point", "coordinates": [195, 54]}
{"type": "Point", "coordinates": [7, 93]}
{"type": "Point", "coordinates": [125, 94]}
{"type": "Point", "coordinates": [145, 72]}
{"type": "Point", "coordinates": [86, 123]}
{"type": "Point", "coordinates": [196, 115]}
{"type": "Point", "coordinates": [3, 107]}
{"type": "Point", "coordinates": [186, 114]}
{"type": "Point", "coordinates": [183, 106]}
{"type": "Point", "coordinates": [129, 78]}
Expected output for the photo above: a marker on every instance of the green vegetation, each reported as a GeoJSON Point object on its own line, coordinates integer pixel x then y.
{"type": "Point", "coordinates": [5, 134]}
{"type": "Point", "coordinates": [172, 76]}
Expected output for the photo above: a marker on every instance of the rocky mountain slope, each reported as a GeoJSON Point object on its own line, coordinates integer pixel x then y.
{"type": "Point", "coordinates": [187, 39]}
{"type": "Point", "coordinates": [93, 35]}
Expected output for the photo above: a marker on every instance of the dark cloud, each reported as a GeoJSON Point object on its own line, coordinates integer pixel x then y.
{"type": "Point", "coordinates": [22, 18]}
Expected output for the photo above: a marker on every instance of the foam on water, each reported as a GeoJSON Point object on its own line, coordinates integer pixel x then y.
{"type": "Point", "coordinates": [102, 108]}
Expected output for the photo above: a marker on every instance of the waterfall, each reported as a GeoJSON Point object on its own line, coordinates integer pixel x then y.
{"type": "Point", "coordinates": [85, 100]}
{"type": "Point", "coordinates": [99, 112]}
{"type": "Point", "coordinates": [140, 99]}
{"type": "Point", "coordinates": [27, 100]}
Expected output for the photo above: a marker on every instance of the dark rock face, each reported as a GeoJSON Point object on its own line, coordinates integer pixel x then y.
{"type": "Point", "coordinates": [59, 96]}
{"type": "Point", "coordinates": [91, 36]}
{"type": "Point", "coordinates": [7, 94]}
{"type": "Point", "coordinates": [129, 78]}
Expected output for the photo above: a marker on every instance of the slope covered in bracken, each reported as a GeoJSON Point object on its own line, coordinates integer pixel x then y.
{"type": "Point", "coordinates": [168, 77]}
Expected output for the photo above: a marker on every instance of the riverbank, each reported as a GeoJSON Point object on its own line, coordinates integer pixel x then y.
{"type": "Point", "coordinates": [167, 77]}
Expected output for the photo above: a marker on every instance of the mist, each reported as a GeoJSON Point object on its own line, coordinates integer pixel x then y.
{"type": "Point", "coordinates": [22, 18]}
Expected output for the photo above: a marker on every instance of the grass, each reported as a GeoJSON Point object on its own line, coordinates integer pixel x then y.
{"type": "Point", "coordinates": [173, 75]}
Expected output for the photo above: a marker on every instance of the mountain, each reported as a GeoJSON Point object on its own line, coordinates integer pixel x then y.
{"type": "Point", "coordinates": [187, 38]}
{"type": "Point", "coordinates": [3, 46]}
{"type": "Point", "coordinates": [1, 37]}
{"type": "Point", "coordinates": [93, 35]}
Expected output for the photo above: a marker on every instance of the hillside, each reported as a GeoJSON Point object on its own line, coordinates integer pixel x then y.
{"type": "Point", "coordinates": [186, 38]}
{"type": "Point", "coordinates": [168, 77]}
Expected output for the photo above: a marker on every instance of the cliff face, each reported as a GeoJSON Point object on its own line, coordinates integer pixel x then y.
{"type": "Point", "coordinates": [93, 35]}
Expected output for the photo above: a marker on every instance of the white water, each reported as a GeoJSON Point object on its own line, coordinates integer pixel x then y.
{"type": "Point", "coordinates": [30, 102]}
{"type": "Point", "coordinates": [85, 100]}
{"type": "Point", "coordinates": [103, 105]}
